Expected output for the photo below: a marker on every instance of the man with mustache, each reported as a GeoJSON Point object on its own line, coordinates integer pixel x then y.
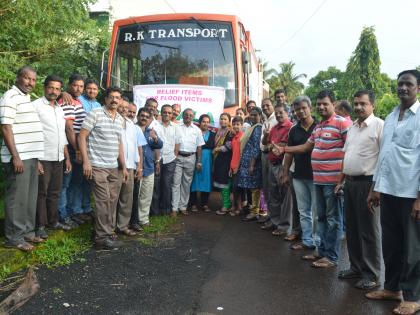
{"type": "Point", "coordinates": [101, 147]}
{"type": "Point", "coordinates": [397, 189]}
{"type": "Point", "coordinates": [55, 152]}
{"type": "Point", "coordinates": [22, 147]}
{"type": "Point", "coordinates": [326, 143]}
{"type": "Point", "coordinates": [362, 226]}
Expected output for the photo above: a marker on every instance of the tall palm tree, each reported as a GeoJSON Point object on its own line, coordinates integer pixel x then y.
{"type": "Point", "coordinates": [287, 80]}
{"type": "Point", "coordinates": [268, 72]}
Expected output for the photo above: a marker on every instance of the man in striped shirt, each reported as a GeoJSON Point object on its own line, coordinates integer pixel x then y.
{"type": "Point", "coordinates": [23, 145]}
{"type": "Point", "coordinates": [326, 143]}
{"type": "Point", "coordinates": [71, 197]}
{"type": "Point", "coordinates": [102, 152]}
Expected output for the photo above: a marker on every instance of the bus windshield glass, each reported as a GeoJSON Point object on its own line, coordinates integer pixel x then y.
{"type": "Point", "coordinates": [182, 52]}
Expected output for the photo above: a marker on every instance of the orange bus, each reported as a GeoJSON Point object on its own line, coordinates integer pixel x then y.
{"type": "Point", "coordinates": [186, 48]}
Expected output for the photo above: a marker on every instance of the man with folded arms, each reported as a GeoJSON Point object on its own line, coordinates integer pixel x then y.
{"type": "Point", "coordinates": [397, 188]}
{"type": "Point", "coordinates": [362, 226]}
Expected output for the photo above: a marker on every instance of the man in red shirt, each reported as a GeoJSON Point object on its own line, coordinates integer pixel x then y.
{"type": "Point", "coordinates": [280, 202]}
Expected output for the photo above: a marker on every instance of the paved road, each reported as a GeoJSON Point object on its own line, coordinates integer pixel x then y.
{"type": "Point", "coordinates": [210, 262]}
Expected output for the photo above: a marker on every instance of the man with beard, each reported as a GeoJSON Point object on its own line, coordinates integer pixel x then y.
{"type": "Point", "coordinates": [102, 153]}
{"type": "Point", "coordinates": [397, 189]}
{"type": "Point", "coordinates": [55, 151]}
{"type": "Point", "coordinates": [22, 147]}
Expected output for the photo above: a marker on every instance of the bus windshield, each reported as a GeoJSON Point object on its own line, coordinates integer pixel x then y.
{"type": "Point", "coordinates": [181, 52]}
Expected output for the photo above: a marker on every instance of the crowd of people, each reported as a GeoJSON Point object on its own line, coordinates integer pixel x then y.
{"type": "Point", "coordinates": [309, 180]}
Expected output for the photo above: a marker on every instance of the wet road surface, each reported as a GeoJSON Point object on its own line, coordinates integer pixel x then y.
{"type": "Point", "coordinates": [209, 265]}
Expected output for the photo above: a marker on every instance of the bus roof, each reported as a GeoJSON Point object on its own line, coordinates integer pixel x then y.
{"type": "Point", "coordinates": [177, 16]}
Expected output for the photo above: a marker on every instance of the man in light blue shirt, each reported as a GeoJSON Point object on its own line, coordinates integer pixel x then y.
{"type": "Point", "coordinates": [88, 99]}
{"type": "Point", "coordinates": [396, 189]}
{"type": "Point", "coordinates": [133, 140]}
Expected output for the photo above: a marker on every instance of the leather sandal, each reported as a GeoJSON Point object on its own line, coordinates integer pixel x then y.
{"type": "Point", "coordinates": [323, 263]}
{"type": "Point", "coordinates": [24, 247]}
{"type": "Point", "coordinates": [407, 308]}
{"type": "Point", "coordinates": [384, 295]}
{"type": "Point", "coordinates": [35, 239]}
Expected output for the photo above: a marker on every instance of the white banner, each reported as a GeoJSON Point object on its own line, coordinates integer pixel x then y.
{"type": "Point", "coordinates": [202, 99]}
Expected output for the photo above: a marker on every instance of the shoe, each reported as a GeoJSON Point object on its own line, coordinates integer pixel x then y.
{"type": "Point", "coordinates": [108, 244]}
{"type": "Point", "coordinates": [40, 232]}
{"type": "Point", "coordinates": [206, 209]}
{"type": "Point", "coordinates": [268, 226]}
{"type": "Point", "coordinates": [184, 212]}
{"type": "Point", "coordinates": [174, 214]}
{"type": "Point", "coordinates": [78, 220]}
{"type": "Point", "coordinates": [194, 209]}
{"type": "Point", "coordinates": [85, 217]}
{"type": "Point", "coordinates": [262, 220]}
{"type": "Point", "coordinates": [60, 226]}
{"type": "Point", "coordinates": [250, 217]}
{"type": "Point", "coordinates": [136, 227]}
{"type": "Point", "coordinates": [72, 224]}
{"type": "Point", "coordinates": [365, 284]}
{"type": "Point", "coordinates": [143, 225]}
{"type": "Point", "coordinates": [348, 274]}
{"type": "Point", "coordinates": [279, 232]}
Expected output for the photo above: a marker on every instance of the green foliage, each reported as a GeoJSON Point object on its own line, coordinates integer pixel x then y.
{"type": "Point", "coordinates": [363, 68]}
{"type": "Point", "coordinates": [330, 79]}
{"type": "Point", "coordinates": [63, 248]}
{"type": "Point", "coordinates": [386, 104]}
{"type": "Point", "coordinates": [287, 80]}
{"type": "Point", "coordinates": [54, 36]}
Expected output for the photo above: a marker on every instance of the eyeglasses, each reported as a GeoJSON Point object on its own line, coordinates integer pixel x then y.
{"type": "Point", "coordinates": [144, 116]}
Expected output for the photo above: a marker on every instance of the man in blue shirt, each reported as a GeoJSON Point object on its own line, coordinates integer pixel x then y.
{"type": "Point", "coordinates": [88, 99]}
{"type": "Point", "coordinates": [396, 189]}
{"type": "Point", "coordinates": [144, 118]}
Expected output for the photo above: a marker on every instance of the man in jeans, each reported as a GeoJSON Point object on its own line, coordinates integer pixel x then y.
{"type": "Point", "coordinates": [102, 152]}
{"type": "Point", "coordinates": [70, 207]}
{"type": "Point", "coordinates": [55, 151]}
{"type": "Point", "coordinates": [302, 177]}
{"type": "Point", "coordinates": [326, 144]}
{"type": "Point", "coordinates": [23, 145]}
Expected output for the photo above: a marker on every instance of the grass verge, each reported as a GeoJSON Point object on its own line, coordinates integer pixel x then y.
{"type": "Point", "coordinates": [63, 248]}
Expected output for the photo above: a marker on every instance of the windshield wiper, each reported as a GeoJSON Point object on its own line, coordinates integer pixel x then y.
{"type": "Point", "coordinates": [218, 39]}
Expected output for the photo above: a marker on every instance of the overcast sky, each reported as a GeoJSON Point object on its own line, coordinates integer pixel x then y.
{"type": "Point", "coordinates": [315, 34]}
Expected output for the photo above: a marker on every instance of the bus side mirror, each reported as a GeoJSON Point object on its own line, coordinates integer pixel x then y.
{"type": "Point", "coordinates": [246, 61]}
{"type": "Point", "coordinates": [104, 70]}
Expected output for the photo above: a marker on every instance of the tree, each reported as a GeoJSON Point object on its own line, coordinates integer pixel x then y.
{"type": "Point", "coordinates": [330, 79]}
{"type": "Point", "coordinates": [363, 68]}
{"type": "Point", "coordinates": [268, 72]}
{"type": "Point", "coordinates": [287, 80]}
{"type": "Point", "coordinates": [54, 36]}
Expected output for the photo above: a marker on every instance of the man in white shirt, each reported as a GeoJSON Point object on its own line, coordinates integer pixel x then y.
{"type": "Point", "coordinates": [133, 140]}
{"type": "Point", "coordinates": [23, 145]}
{"type": "Point", "coordinates": [189, 159]}
{"type": "Point", "coordinates": [362, 226]}
{"type": "Point", "coordinates": [53, 123]}
{"type": "Point", "coordinates": [171, 140]}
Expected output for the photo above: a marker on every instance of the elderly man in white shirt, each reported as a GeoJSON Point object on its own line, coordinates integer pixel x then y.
{"type": "Point", "coordinates": [53, 123]}
{"type": "Point", "coordinates": [189, 159]}
{"type": "Point", "coordinates": [133, 140]}
{"type": "Point", "coordinates": [362, 226]}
